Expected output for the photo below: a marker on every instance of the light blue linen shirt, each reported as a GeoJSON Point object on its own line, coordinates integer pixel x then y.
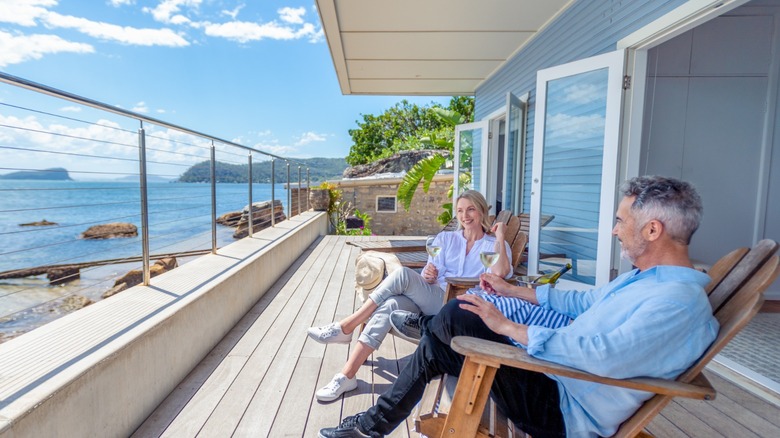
{"type": "Point", "coordinates": [654, 323]}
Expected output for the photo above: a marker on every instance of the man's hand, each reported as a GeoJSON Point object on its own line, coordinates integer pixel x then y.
{"type": "Point", "coordinates": [493, 318]}
{"type": "Point", "coordinates": [430, 273]}
{"type": "Point", "coordinates": [496, 285]}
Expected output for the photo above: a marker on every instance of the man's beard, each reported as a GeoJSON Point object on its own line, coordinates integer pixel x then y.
{"type": "Point", "coordinates": [637, 249]}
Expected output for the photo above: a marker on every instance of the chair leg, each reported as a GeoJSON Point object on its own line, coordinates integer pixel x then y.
{"type": "Point", "coordinates": [471, 396]}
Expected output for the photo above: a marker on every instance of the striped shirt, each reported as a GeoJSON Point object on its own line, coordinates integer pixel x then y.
{"type": "Point", "coordinates": [523, 312]}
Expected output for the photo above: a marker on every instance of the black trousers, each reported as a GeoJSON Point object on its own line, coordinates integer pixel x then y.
{"type": "Point", "coordinates": [529, 399]}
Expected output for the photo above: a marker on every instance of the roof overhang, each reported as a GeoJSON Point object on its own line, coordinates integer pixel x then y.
{"type": "Point", "coordinates": [427, 47]}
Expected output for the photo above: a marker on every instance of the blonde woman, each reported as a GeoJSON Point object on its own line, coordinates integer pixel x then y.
{"type": "Point", "coordinates": [405, 289]}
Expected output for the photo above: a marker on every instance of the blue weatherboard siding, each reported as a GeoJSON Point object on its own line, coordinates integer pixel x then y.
{"type": "Point", "coordinates": [587, 28]}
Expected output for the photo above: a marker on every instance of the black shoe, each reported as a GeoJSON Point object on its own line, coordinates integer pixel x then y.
{"type": "Point", "coordinates": [349, 428]}
{"type": "Point", "coordinates": [406, 325]}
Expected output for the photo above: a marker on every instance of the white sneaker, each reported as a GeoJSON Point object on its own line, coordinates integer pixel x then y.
{"type": "Point", "coordinates": [330, 334]}
{"type": "Point", "coordinates": [339, 385]}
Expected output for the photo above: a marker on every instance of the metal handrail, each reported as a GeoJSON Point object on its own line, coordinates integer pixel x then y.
{"type": "Point", "coordinates": [40, 88]}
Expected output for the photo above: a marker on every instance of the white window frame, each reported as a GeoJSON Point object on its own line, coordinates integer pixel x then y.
{"type": "Point", "coordinates": [395, 203]}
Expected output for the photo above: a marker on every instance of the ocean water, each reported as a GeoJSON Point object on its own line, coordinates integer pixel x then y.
{"type": "Point", "coordinates": [179, 220]}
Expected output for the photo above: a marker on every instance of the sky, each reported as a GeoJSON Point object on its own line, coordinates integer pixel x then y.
{"type": "Point", "coordinates": [258, 73]}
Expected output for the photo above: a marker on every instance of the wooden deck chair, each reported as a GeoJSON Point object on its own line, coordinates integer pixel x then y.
{"type": "Point", "coordinates": [736, 295]}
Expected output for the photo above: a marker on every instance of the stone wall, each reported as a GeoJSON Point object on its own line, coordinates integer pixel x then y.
{"type": "Point", "coordinates": [420, 220]}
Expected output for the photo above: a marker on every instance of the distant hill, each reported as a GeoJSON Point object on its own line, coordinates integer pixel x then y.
{"type": "Point", "coordinates": [320, 169]}
{"type": "Point", "coordinates": [55, 173]}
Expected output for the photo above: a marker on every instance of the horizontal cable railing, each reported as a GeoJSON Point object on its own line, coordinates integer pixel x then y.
{"type": "Point", "coordinates": [98, 196]}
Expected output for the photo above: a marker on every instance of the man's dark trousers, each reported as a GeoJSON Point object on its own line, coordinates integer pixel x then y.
{"type": "Point", "coordinates": [530, 400]}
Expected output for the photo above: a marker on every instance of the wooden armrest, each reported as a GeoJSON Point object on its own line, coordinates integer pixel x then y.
{"type": "Point", "coordinates": [467, 282]}
{"type": "Point", "coordinates": [490, 353]}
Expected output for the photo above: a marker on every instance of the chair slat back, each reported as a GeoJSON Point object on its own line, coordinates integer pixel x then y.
{"type": "Point", "coordinates": [741, 273]}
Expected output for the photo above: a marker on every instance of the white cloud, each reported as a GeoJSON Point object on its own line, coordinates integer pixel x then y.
{"type": "Point", "coordinates": [71, 109]}
{"type": "Point", "coordinates": [160, 111]}
{"type": "Point", "coordinates": [310, 137]}
{"type": "Point", "coordinates": [123, 34]}
{"type": "Point", "coordinates": [292, 15]}
{"type": "Point", "coordinates": [281, 150]}
{"type": "Point", "coordinates": [168, 10]}
{"type": "Point", "coordinates": [234, 13]}
{"type": "Point", "coordinates": [118, 3]}
{"type": "Point", "coordinates": [23, 12]}
{"type": "Point", "coordinates": [15, 49]}
{"type": "Point", "coordinates": [140, 107]}
{"type": "Point", "coordinates": [244, 31]}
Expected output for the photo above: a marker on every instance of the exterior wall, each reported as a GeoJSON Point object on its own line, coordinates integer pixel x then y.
{"type": "Point", "coordinates": [418, 221]}
{"type": "Point", "coordinates": [587, 28]}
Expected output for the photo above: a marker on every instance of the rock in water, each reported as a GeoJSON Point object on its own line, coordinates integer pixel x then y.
{"type": "Point", "coordinates": [108, 231]}
{"type": "Point", "coordinates": [261, 217]}
{"type": "Point", "coordinates": [136, 276]}
{"type": "Point", "coordinates": [43, 223]}
{"type": "Point", "coordinates": [62, 274]}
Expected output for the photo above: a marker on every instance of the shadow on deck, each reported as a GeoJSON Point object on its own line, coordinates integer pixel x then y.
{"type": "Point", "coordinates": [261, 378]}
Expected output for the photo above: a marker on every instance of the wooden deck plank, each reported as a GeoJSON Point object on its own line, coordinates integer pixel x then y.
{"type": "Point", "coordinates": [744, 400]}
{"type": "Point", "coordinates": [267, 334]}
{"type": "Point", "coordinates": [260, 380]}
{"type": "Point", "coordinates": [184, 398]}
{"type": "Point", "coordinates": [260, 412]}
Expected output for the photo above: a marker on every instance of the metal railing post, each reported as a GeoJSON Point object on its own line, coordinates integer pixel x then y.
{"type": "Point", "coordinates": [213, 198]}
{"type": "Point", "coordinates": [308, 189]}
{"type": "Point", "coordinates": [300, 207]}
{"type": "Point", "coordinates": [144, 204]}
{"type": "Point", "coordinates": [251, 212]}
{"type": "Point", "coordinates": [273, 191]}
{"type": "Point", "coordinates": [289, 193]}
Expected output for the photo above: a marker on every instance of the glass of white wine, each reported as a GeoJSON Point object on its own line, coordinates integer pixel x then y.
{"type": "Point", "coordinates": [432, 248]}
{"type": "Point", "coordinates": [488, 258]}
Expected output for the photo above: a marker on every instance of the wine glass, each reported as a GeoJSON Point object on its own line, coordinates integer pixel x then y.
{"type": "Point", "coordinates": [432, 248]}
{"type": "Point", "coordinates": [488, 259]}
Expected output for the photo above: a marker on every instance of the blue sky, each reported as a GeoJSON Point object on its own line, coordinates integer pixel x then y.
{"type": "Point", "coordinates": [255, 72]}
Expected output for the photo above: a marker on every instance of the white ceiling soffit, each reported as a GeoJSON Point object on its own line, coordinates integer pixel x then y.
{"type": "Point", "coordinates": [427, 47]}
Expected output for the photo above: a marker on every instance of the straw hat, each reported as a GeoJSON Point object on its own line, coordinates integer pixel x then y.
{"type": "Point", "coordinates": [371, 268]}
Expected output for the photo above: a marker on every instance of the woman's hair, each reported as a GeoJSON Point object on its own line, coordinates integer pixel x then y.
{"type": "Point", "coordinates": [479, 201]}
{"type": "Point", "coordinates": [673, 202]}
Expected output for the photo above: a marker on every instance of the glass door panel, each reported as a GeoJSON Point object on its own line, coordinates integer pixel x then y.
{"type": "Point", "coordinates": [514, 150]}
{"type": "Point", "coordinates": [575, 167]}
{"type": "Point", "coordinates": [471, 141]}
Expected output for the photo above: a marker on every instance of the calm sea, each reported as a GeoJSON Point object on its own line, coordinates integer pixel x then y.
{"type": "Point", "coordinates": [179, 220]}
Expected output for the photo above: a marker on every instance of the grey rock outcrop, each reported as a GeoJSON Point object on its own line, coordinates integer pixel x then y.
{"type": "Point", "coordinates": [136, 276]}
{"type": "Point", "coordinates": [109, 231]}
{"type": "Point", "coordinates": [261, 217]}
{"type": "Point", "coordinates": [400, 162]}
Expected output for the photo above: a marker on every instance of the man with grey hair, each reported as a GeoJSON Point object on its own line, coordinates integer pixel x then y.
{"type": "Point", "coordinates": [654, 320]}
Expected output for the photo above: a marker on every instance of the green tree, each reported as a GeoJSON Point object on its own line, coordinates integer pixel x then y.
{"type": "Point", "coordinates": [426, 169]}
{"type": "Point", "coordinates": [402, 127]}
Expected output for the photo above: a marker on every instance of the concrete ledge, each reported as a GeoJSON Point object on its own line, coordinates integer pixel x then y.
{"type": "Point", "coordinates": [102, 370]}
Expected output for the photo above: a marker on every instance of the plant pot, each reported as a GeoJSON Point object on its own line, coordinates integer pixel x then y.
{"type": "Point", "coordinates": [319, 199]}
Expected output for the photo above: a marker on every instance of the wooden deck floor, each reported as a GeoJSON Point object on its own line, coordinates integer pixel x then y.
{"type": "Point", "coordinates": [260, 380]}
